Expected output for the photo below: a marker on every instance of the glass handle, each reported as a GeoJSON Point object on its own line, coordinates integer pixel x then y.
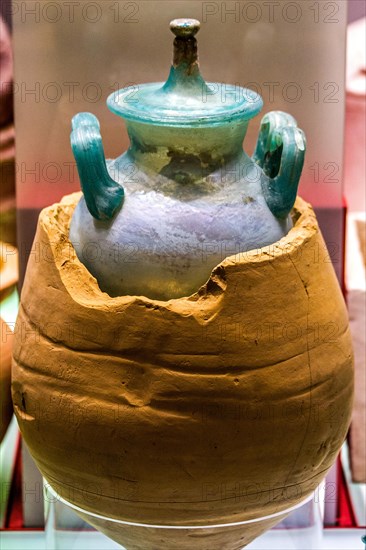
{"type": "Point", "coordinates": [103, 196]}
{"type": "Point", "coordinates": [280, 152]}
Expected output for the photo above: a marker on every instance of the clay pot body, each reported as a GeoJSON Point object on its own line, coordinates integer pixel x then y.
{"type": "Point", "coordinates": [222, 407]}
{"type": "Point", "coordinates": [157, 219]}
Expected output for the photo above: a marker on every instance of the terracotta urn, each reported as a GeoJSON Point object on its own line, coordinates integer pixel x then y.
{"type": "Point", "coordinates": [225, 406]}
{"type": "Point", "coordinates": [194, 396]}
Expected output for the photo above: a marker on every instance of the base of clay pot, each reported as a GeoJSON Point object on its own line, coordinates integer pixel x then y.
{"type": "Point", "coordinates": [139, 536]}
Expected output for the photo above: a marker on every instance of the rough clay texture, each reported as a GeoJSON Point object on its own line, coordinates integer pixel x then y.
{"type": "Point", "coordinates": [225, 406]}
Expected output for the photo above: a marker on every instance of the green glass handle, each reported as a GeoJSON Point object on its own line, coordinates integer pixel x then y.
{"type": "Point", "coordinates": [280, 152]}
{"type": "Point", "coordinates": [103, 196]}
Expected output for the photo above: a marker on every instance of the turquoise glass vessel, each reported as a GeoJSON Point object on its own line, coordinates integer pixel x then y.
{"type": "Point", "coordinates": [185, 195]}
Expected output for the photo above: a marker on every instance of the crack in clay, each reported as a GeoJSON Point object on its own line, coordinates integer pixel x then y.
{"type": "Point", "coordinates": [24, 415]}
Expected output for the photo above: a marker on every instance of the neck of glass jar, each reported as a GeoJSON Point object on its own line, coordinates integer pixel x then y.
{"type": "Point", "coordinates": [154, 147]}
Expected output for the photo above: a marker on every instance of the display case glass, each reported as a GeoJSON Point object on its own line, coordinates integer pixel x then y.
{"type": "Point", "coordinates": [65, 530]}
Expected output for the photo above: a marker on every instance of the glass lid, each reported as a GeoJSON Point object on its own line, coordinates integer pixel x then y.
{"type": "Point", "coordinates": [185, 99]}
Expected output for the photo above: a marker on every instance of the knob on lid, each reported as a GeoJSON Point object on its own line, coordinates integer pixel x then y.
{"type": "Point", "coordinates": [185, 27]}
{"type": "Point", "coordinates": [185, 99]}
